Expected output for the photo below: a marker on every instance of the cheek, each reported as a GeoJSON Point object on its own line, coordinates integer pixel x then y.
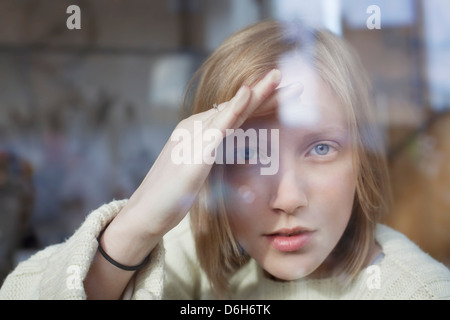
{"type": "Point", "coordinates": [244, 201]}
{"type": "Point", "coordinates": [244, 188]}
{"type": "Point", "coordinates": [332, 193]}
{"type": "Point", "coordinates": [336, 184]}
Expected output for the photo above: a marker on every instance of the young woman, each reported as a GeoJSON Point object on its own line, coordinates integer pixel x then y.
{"type": "Point", "coordinates": [291, 213]}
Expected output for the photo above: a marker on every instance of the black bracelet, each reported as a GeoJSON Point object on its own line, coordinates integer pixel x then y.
{"type": "Point", "coordinates": [115, 263]}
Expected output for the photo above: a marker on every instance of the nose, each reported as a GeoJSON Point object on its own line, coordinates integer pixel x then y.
{"type": "Point", "coordinates": [289, 193]}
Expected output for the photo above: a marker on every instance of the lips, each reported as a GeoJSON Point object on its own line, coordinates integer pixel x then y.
{"type": "Point", "coordinates": [289, 240]}
{"type": "Point", "coordinates": [286, 232]}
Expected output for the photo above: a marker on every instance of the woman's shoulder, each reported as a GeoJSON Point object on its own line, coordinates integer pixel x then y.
{"type": "Point", "coordinates": [407, 272]}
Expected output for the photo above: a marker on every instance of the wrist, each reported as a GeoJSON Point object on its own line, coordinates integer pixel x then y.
{"type": "Point", "coordinates": [127, 242]}
{"type": "Point", "coordinates": [114, 262]}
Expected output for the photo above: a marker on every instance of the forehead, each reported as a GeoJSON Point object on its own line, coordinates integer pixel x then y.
{"type": "Point", "coordinates": [293, 68]}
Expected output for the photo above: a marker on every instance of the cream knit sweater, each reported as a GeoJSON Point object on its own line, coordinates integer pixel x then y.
{"type": "Point", "coordinates": [57, 272]}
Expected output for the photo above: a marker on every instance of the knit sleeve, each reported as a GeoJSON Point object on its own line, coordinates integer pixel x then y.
{"type": "Point", "coordinates": [58, 271]}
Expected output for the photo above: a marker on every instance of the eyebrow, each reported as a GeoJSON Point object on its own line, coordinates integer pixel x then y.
{"type": "Point", "coordinates": [320, 133]}
{"type": "Point", "coordinates": [326, 130]}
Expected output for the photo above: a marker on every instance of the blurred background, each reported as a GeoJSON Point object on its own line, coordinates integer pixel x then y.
{"type": "Point", "coordinates": [85, 112]}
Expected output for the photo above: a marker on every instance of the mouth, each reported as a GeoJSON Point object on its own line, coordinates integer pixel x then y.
{"type": "Point", "coordinates": [289, 232]}
{"type": "Point", "coordinates": [290, 239]}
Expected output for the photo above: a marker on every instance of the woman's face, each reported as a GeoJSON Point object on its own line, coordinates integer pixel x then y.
{"type": "Point", "coordinates": [290, 221]}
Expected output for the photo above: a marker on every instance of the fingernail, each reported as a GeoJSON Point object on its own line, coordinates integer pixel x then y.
{"type": "Point", "coordinates": [242, 92]}
{"type": "Point", "coordinates": [275, 75]}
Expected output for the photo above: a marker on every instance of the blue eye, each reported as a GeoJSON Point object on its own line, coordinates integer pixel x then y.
{"type": "Point", "coordinates": [247, 153]}
{"type": "Point", "coordinates": [322, 149]}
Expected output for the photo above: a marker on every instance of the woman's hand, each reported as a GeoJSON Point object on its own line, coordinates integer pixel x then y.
{"type": "Point", "coordinates": [169, 190]}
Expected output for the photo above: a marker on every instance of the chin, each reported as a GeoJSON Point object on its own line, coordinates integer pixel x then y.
{"type": "Point", "coordinates": [292, 270]}
{"type": "Point", "coordinates": [291, 274]}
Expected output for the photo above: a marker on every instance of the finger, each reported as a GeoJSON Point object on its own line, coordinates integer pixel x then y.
{"type": "Point", "coordinates": [219, 118]}
{"type": "Point", "coordinates": [239, 109]}
{"type": "Point", "coordinates": [289, 95]}
{"type": "Point", "coordinates": [218, 108]}
{"type": "Point", "coordinates": [232, 114]}
{"type": "Point", "coordinates": [260, 92]}
{"type": "Point", "coordinates": [228, 113]}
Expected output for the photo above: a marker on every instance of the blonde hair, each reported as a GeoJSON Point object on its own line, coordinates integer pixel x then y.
{"type": "Point", "coordinates": [246, 57]}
